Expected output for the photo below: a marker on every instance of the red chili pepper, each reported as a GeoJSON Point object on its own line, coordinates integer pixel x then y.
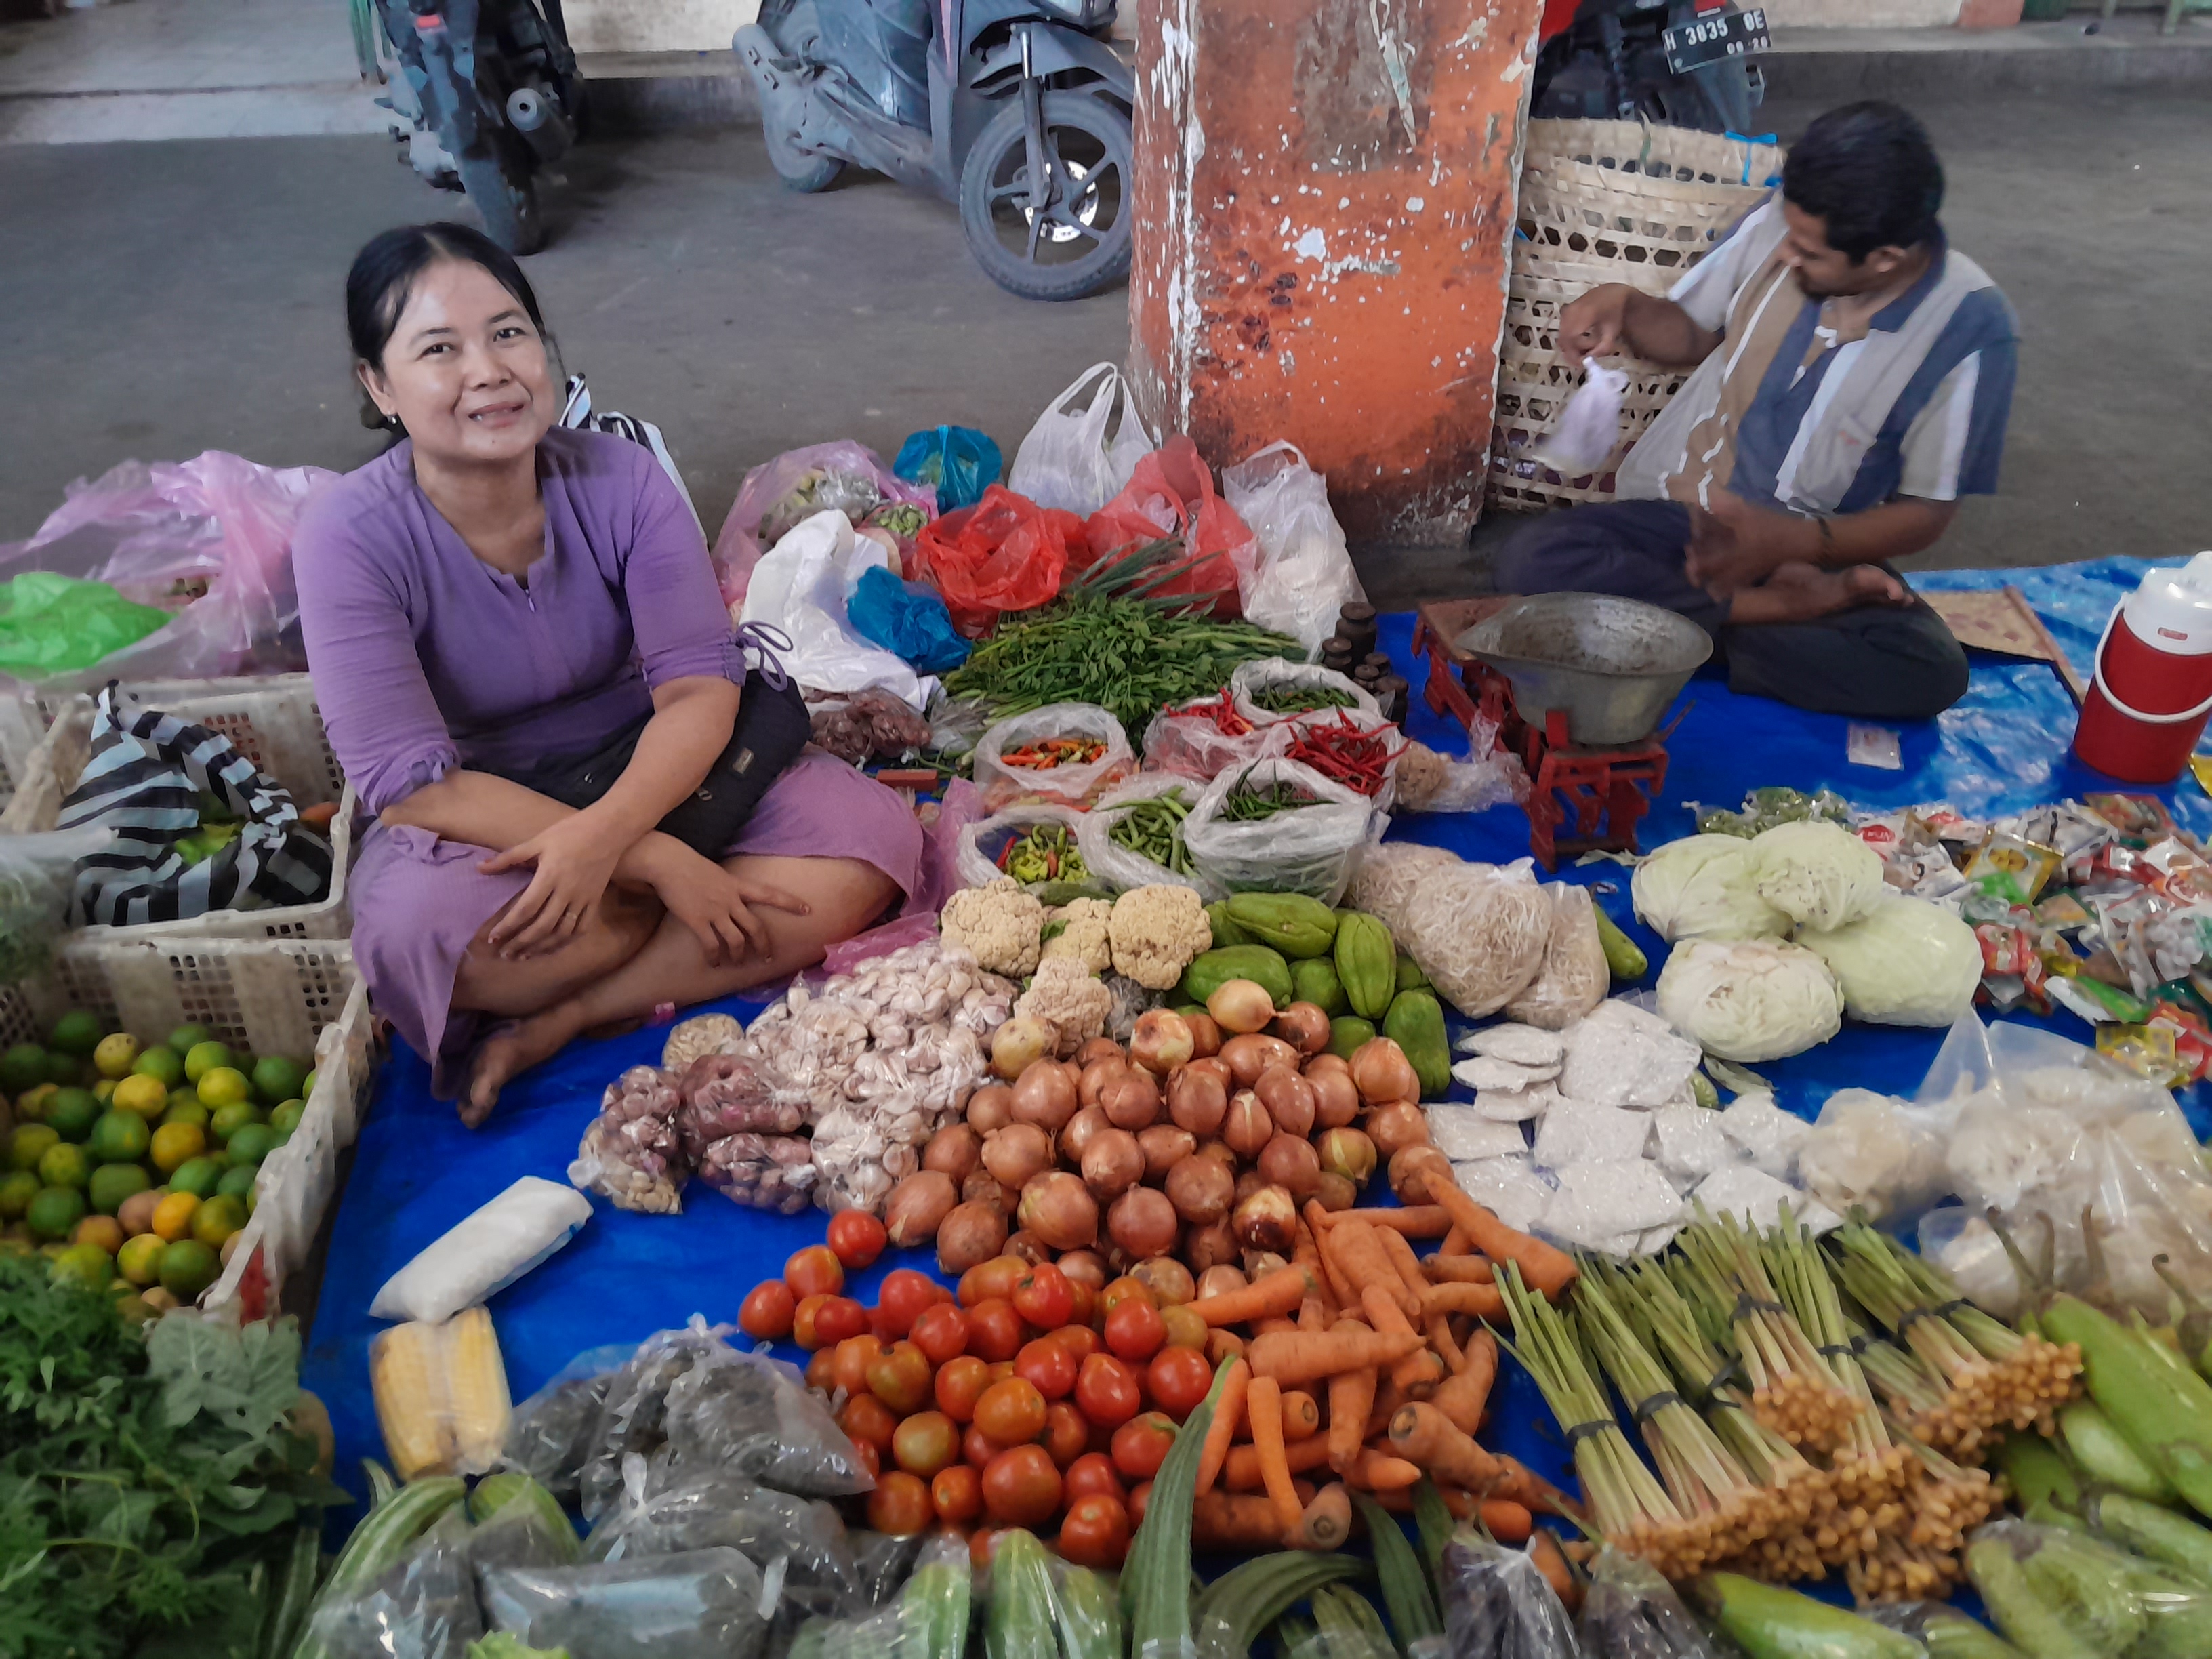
{"type": "Point", "coordinates": [1342, 752]}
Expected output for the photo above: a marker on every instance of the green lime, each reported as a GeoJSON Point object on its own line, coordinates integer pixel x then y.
{"type": "Point", "coordinates": [185, 1038]}
{"type": "Point", "coordinates": [31, 1105]}
{"type": "Point", "coordinates": [251, 1144]}
{"type": "Point", "coordinates": [54, 1212]}
{"type": "Point", "coordinates": [17, 1189]}
{"type": "Point", "coordinates": [64, 1165]}
{"type": "Point", "coordinates": [23, 1066]}
{"type": "Point", "coordinates": [197, 1175]}
{"type": "Point", "coordinates": [115, 1056]}
{"type": "Point", "coordinates": [237, 1183]}
{"type": "Point", "coordinates": [204, 1057]}
{"type": "Point", "coordinates": [76, 1032]}
{"type": "Point", "coordinates": [184, 1095]}
{"type": "Point", "coordinates": [187, 1111]}
{"type": "Point", "coordinates": [118, 1138]}
{"type": "Point", "coordinates": [70, 1112]}
{"type": "Point", "coordinates": [139, 1261]}
{"type": "Point", "coordinates": [30, 1143]}
{"type": "Point", "coordinates": [276, 1079]}
{"type": "Point", "coordinates": [85, 1264]}
{"type": "Point", "coordinates": [224, 1086]}
{"type": "Point", "coordinates": [226, 1121]}
{"type": "Point", "coordinates": [307, 1086]}
{"type": "Point", "coordinates": [67, 1069]}
{"type": "Point", "coordinates": [286, 1118]}
{"type": "Point", "coordinates": [112, 1183]}
{"type": "Point", "coordinates": [218, 1219]}
{"type": "Point", "coordinates": [166, 1064]}
{"type": "Point", "coordinates": [188, 1268]}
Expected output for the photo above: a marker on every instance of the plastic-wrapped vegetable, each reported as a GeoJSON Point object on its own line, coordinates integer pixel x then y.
{"type": "Point", "coordinates": [632, 1153]}
{"type": "Point", "coordinates": [634, 1414]}
{"type": "Point", "coordinates": [700, 1604]}
{"type": "Point", "coordinates": [424, 1606]}
{"type": "Point", "coordinates": [666, 1510]}
{"type": "Point", "coordinates": [762, 1172]}
{"type": "Point", "coordinates": [2047, 1587]}
{"type": "Point", "coordinates": [869, 725]}
{"type": "Point", "coordinates": [520, 1524]}
{"type": "Point", "coordinates": [742, 1414]}
{"type": "Point", "coordinates": [1945, 1631]}
{"type": "Point", "coordinates": [1498, 1605]}
{"type": "Point", "coordinates": [549, 1436]}
{"type": "Point", "coordinates": [734, 1093]}
{"type": "Point", "coordinates": [929, 1619]}
{"type": "Point", "coordinates": [1631, 1612]}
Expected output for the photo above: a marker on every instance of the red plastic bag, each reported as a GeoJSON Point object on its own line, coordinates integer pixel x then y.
{"type": "Point", "coordinates": [1171, 493]}
{"type": "Point", "coordinates": [1005, 553]}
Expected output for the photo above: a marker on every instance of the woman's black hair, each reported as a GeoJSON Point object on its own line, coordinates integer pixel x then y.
{"type": "Point", "coordinates": [1869, 171]}
{"type": "Point", "coordinates": [384, 270]}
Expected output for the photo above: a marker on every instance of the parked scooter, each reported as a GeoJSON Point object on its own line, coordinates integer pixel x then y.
{"type": "Point", "coordinates": [1018, 110]}
{"type": "Point", "coordinates": [488, 94]}
{"type": "Point", "coordinates": [1678, 63]}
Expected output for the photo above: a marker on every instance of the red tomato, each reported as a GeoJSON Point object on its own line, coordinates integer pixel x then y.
{"type": "Point", "coordinates": [1123, 1290]}
{"type": "Point", "coordinates": [925, 1443]}
{"type": "Point", "coordinates": [1012, 1413]}
{"type": "Point", "coordinates": [1095, 1532]}
{"type": "Point", "coordinates": [871, 1459]}
{"type": "Point", "coordinates": [1021, 1487]}
{"type": "Point", "coordinates": [1048, 1364]}
{"type": "Point", "coordinates": [838, 1318]}
{"type": "Point", "coordinates": [900, 1377]}
{"type": "Point", "coordinates": [814, 1270]}
{"type": "Point", "coordinates": [957, 1494]}
{"type": "Point", "coordinates": [1086, 1303]}
{"type": "Point", "coordinates": [1140, 1497]}
{"type": "Point", "coordinates": [1185, 1329]}
{"type": "Point", "coordinates": [1044, 1297]}
{"type": "Point", "coordinates": [960, 1383]}
{"type": "Point", "coordinates": [1092, 1475]}
{"type": "Point", "coordinates": [853, 1356]}
{"type": "Point", "coordinates": [1106, 1391]}
{"type": "Point", "coordinates": [821, 1370]}
{"type": "Point", "coordinates": [867, 1418]}
{"type": "Point", "coordinates": [992, 1280]}
{"type": "Point", "coordinates": [900, 1505]}
{"type": "Point", "coordinates": [981, 1543]}
{"type": "Point", "coordinates": [1177, 1380]}
{"type": "Point", "coordinates": [940, 1332]}
{"type": "Point", "coordinates": [977, 1448]}
{"type": "Point", "coordinates": [904, 1294]}
{"type": "Point", "coordinates": [1142, 1444]}
{"type": "Point", "coordinates": [1079, 1340]}
{"type": "Point", "coordinates": [766, 1311]}
{"type": "Point", "coordinates": [1134, 1330]}
{"type": "Point", "coordinates": [1066, 1434]}
{"type": "Point", "coordinates": [994, 1329]}
{"type": "Point", "coordinates": [1000, 1370]}
{"type": "Point", "coordinates": [856, 1238]}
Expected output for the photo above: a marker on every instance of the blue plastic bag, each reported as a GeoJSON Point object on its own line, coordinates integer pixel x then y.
{"type": "Point", "coordinates": [959, 462]}
{"type": "Point", "coordinates": [907, 620]}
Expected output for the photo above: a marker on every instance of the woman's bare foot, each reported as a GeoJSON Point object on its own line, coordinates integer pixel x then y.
{"type": "Point", "coordinates": [1801, 593]}
{"type": "Point", "coordinates": [512, 1048]}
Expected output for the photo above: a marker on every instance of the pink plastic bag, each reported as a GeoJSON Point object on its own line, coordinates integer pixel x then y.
{"type": "Point", "coordinates": [209, 539]}
{"type": "Point", "coordinates": [801, 482]}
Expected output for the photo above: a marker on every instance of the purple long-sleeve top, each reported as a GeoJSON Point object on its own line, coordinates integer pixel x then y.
{"type": "Point", "coordinates": [425, 657]}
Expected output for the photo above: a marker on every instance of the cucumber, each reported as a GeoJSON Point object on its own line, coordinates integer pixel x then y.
{"type": "Point", "coordinates": [1090, 1615]}
{"type": "Point", "coordinates": [1020, 1624]}
{"type": "Point", "coordinates": [380, 1540]}
{"type": "Point", "coordinates": [1621, 955]}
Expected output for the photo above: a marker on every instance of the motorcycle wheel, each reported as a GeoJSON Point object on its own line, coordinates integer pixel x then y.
{"type": "Point", "coordinates": [799, 171]}
{"type": "Point", "coordinates": [500, 189]}
{"type": "Point", "coordinates": [1081, 244]}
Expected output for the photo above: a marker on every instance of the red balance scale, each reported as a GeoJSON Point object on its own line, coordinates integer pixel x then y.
{"type": "Point", "coordinates": [1586, 663]}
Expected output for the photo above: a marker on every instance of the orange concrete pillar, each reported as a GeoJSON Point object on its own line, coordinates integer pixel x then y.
{"type": "Point", "coordinates": [1324, 201]}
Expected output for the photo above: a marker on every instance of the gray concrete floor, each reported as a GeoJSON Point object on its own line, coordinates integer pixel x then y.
{"type": "Point", "coordinates": [165, 298]}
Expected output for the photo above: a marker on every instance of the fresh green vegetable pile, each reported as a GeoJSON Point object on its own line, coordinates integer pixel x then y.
{"type": "Point", "coordinates": [1290, 698]}
{"type": "Point", "coordinates": [1247, 804]}
{"type": "Point", "coordinates": [1152, 828]}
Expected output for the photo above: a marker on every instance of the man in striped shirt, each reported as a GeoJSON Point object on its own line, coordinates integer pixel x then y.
{"type": "Point", "coordinates": [1853, 378]}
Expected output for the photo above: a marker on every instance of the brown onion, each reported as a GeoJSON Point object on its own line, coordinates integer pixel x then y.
{"type": "Point", "coordinates": [981, 1187]}
{"type": "Point", "coordinates": [1057, 1207]}
{"type": "Point", "coordinates": [1219, 1148]}
{"type": "Point", "coordinates": [1161, 1042]}
{"type": "Point", "coordinates": [1396, 1127]}
{"type": "Point", "coordinates": [1248, 1182]}
{"type": "Point", "coordinates": [1289, 1160]}
{"type": "Point", "coordinates": [1268, 1220]}
{"type": "Point", "coordinates": [971, 1235]}
{"type": "Point", "coordinates": [1409, 1174]}
{"type": "Point", "coordinates": [1247, 1128]}
{"type": "Point", "coordinates": [1241, 1005]}
{"type": "Point", "coordinates": [1171, 1282]}
{"type": "Point", "coordinates": [953, 1151]}
{"type": "Point", "coordinates": [1209, 1247]}
{"type": "Point", "coordinates": [1289, 1099]}
{"type": "Point", "coordinates": [1304, 1026]}
{"type": "Point", "coordinates": [1098, 1048]}
{"type": "Point", "coordinates": [1143, 1222]}
{"type": "Point", "coordinates": [1198, 1097]}
{"type": "Point", "coordinates": [1112, 1164]}
{"type": "Point", "coordinates": [1164, 1146]}
{"type": "Point", "coordinates": [1009, 1196]}
{"type": "Point", "coordinates": [990, 1108]}
{"type": "Point", "coordinates": [1220, 1279]}
{"type": "Point", "coordinates": [1335, 1193]}
{"type": "Point", "coordinates": [1258, 1264]}
{"type": "Point", "coordinates": [1026, 1246]}
{"type": "Point", "coordinates": [1085, 1267]}
{"type": "Point", "coordinates": [1075, 1138]}
{"type": "Point", "coordinates": [1095, 1076]}
{"type": "Point", "coordinates": [918, 1206]}
{"type": "Point", "coordinates": [1017, 1152]}
{"type": "Point", "coordinates": [1316, 1064]}
{"type": "Point", "coordinates": [1204, 1036]}
{"type": "Point", "coordinates": [1132, 1101]}
{"type": "Point", "coordinates": [1382, 1073]}
{"type": "Point", "coordinates": [1201, 1189]}
{"type": "Point", "coordinates": [1336, 1102]}
{"type": "Point", "coordinates": [1251, 1054]}
{"type": "Point", "coordinates": [1345, 1151]}
{"type": "Point", "coordinates": [1043, 1095]}
{"type": "Point", "coordinates": [1021, 1040]}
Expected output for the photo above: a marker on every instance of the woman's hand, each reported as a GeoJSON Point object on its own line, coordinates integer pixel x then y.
{"type": "Point", "coordinates": [718, 908]}
{"type": "Point", "coordinates": [575, 860]}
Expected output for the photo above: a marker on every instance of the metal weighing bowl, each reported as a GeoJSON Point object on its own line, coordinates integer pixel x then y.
{"type": "Point", "coordinates": [1613, 665]}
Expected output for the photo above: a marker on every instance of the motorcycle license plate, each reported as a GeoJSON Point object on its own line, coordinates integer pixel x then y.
{"type": "Point", "coordinates": [1710, 39]}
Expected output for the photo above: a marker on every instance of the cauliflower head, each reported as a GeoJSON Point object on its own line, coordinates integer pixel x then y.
{"type": "Point", "coordinates": [1157, 932]}
{"type": "Point", "coordinates": [1068, 997]}
{"type": "Point", "coordinates": [999, 925]}
{"type": "Point", "coordinates": [1082, 934]}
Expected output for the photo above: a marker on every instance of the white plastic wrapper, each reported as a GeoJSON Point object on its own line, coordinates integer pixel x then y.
{"type": "Point", "coordinates": [1510, 1187]}
{"type": "Point", "coordinates": [1072, 785]}
{"type": "Point", "coordinates": [1464, 1134]}
{"type": "Point", "coordinates": [1307, 849]}
{"type": "Point", "coordinates": [1688, 1145]}
{"type": "Point", "coordinates": [1876, 1153]}
{"type": "Point", "coordinates": [1574, 978]}
{"type": "Point", "coordinates": [1578, 1131]}
{"type": "Point", "coordinates": [1588, 430]}
{"type": "Point", "coordinates": [1120, 867]}
{"type": "Point", "coordinates": [1302, 577]}
{"type": "Point", "coordinates": [1267, 673]}
{"type": "Point", "coordinates": [1516, 1045]}
{"type": "Point", "coordinates": [1769, 1136]}
{"type": "Point", "coordinates": [1483, 1072]}
{"type": "Point", "coordinates": [1967, 1247]}
{"type": "Point", "coordinates": [1516, 1105]}
{"type": "Point", "coordinates": [1070, 460]}
{"type": "Point", "coordinates": [1751, 999]}
{"type": "Point", "coordinates": [976, 855]}
{"type": "Point", "coordinates": [1756, 1199]}
{"type": "Point", "coordinates": [698, 1604]}
{"type": "Point", "coordinates": [1620, 1054]}
{"type": "Point", "coordinates": [485, 1253]}
{"type": "Point", "coordinates": [1703, 887]}
{"type": "Point", "coordinates": [1610, 1206]}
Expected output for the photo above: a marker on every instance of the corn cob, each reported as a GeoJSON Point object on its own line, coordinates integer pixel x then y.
{"type": "Point", "coordinates": [441, 1395]}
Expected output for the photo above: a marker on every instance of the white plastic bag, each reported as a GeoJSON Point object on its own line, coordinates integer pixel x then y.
{"type": "Point", "coordinates": [1281, 737]}
{"type": "Point", "coordinates": [976, 860]}
{"type": "Point", "coordinates": [801, 585]}
{"type": "Point", "coordinates": [1118, 866]}
{"type": "Point", "coordinates": [485, 1252]}
{"type": "Point", "coordinates": [1194, 746]}
{"type": "Point", "coordinates": [1261, 674]}
{"type": "Point", "coordinates": [1306, 849]}
{"type": "Point", "coordinates": [1074, 784]}
{"type": "Point", "coordinates": [1303, 575]}
{"type": "Point", "coordinates": [1069, 460]}
{"type": "Point", "coordinates": [1582, 439]}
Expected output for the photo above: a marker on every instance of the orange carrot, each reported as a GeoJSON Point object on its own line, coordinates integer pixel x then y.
{"type": "Point", "coordinates": [1274, 1295]}
{"type": "Point", "coordinates": [1509, 1522]}
{"type": "Point", "coordinates": [1377, 1471]}
{"type": "Point", "coordinates": [1229, 1522]}
{"type": "Point", "coordinates": [1456, 1243]}
{"type": "Point", "coordinates": [1296, 1357]}
{"type": "Point", "coordinates": [1414, 1220]}
{"type": "Point", "coordinates": [1409, 1270]}
{"type": "Point", "coordinates": [1463, 1395]}
{"type": "Point", "coordinates": [1419, 1371]}
{"type": "Point", "coordinates": [1241, 1472]}
{"type": "Point", "coordinates": [1228, 1412]}
{"type": "Point", "coordinates": [1362, 1262]}
{"type": "Point", "coordinates": [1545, 1268]}
{"type": "Point", "coordinates": [1425, 1437]}
{"type": "Point", "coordinates": [1222, 1344]}
{"type": "Point", "coordinates": [1263, 1404]}
{"type": "Point", "coordinates": [1273, 1323]}
{"type": "Point", "coordinates": [1301, 1416]}
{"type": "Point", "coordinates": [1484, 1301]}
{"type": "Point", "coordinates": [1441, 1269]}
{"type": "Point", "coordinates": [1313, 1315]}
{"type": "Point", "coordinates": [1327, 1522]}
{"type": "Point", "coordinates": [1351, 1398]}
{"type": "Point", "coordinates": [1544, 1551]}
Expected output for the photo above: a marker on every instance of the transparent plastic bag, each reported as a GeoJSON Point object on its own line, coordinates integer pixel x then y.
{"type": "Point", "coordinates": [1036, 1606]}
{"type": "Point", "coordinates": [1190, 741]}
{"type": "Point", "coordinates": [1309, 849]}
{"type": "Point", "coordinates": [1479, 933]}
{"type": "Point", "coordinates": [1574, 978]}
{"type": "Point", "coordinates": [633, 1154]}
{"type": "Point", "coordinates": [1302, 577]}
{"type": "Point", "coordinates": [549, 1436]}
{"type": "Point", "coordinates": [929, 1619]}
{"type": "Point", "coordinates": [522, 1533]}
{"type": "Point", "coordinates": [762, 1172]}
{"type": "Point", "coordinates": [699, 1604]}
{"type": "Point", "coordinates": [882, 1562]}
{"type": "Point", "coordinates": [1943, 1631]}
{"type": "Point", "coordinates": [1588, 430]}
{"type": "Point", "coordinates": [1075, 784]}
{"type": "Point", "coordinates": [729, 1094]}
{"type": "Point", "coordinates": [870, 725]}
{"type": "Point", "coordinates": [1121, 868]}
{"type": "Point", "coordinates": [1069, 460]}
{"type": "Point", "coordinates": [746, 1414]}
{"type": "Point", "coordinates": [1631, 1612]}
{"type": "Point", "coordinates": [441, 1395]}
{"type": "Point", "coordinates": [38, 875]}
{"type": "Point", "coordinates": [795, 485]}
{"type": "Point", "coordinates": [1498, 1605]}
{"type": "Point", "coordinates": [1876, 1153]}
{"type": "Point", "coordinates": [1250, 682]}
{"type": "Point", "coordinates": [485, 1252]}
{"type": "Point", "coordinates": [982, 842]}
{"type": "Point", "coordinates": [1285, 737]}
{"type": "Point", "coordinates": [689, 1507]}
{"type": "Point", "coordinates": [2105, 1600]}
{"type": "Point", "coordinates": [1429, 782]}
{"type": "Point", "coordinates": [633, 1415]}
{"type": "Point", "coordinates": [422, 1607]}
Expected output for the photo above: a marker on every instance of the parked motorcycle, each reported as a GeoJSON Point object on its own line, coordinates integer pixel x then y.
{"type": "Point", "coordinates": [488, 93]}
{"type": "Point", "coordinates": [1678, 63]}
{"type": "Point", "coordinates": [1018, 111]}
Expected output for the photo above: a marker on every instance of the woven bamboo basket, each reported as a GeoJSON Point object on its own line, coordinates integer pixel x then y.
{"type": "Point", "coordinates": [1681, 153]}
